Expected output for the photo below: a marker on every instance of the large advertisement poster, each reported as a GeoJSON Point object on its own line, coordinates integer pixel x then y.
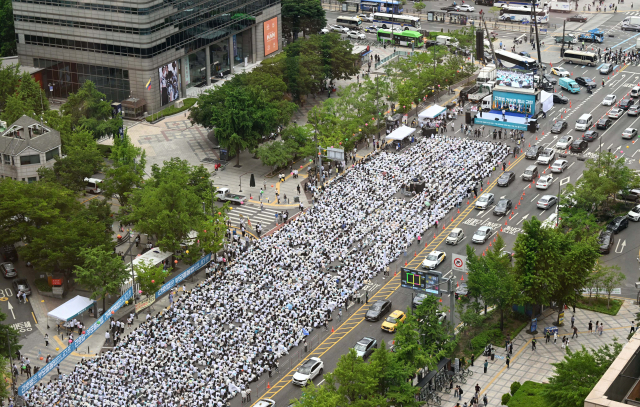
{"type": "Point", "coordinates": [169, 84]}
{"type": "Point", "coordinates": [271, 36]}
{"type": "Point", "coordinates": [514, 102]}
{"type": "Point", "coordinates": [515, 79]}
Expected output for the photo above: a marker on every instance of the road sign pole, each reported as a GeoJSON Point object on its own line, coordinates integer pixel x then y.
{"type": "Point", "coordinates": [452, 303]}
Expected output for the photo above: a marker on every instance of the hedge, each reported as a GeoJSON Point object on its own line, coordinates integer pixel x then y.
{"type": "Point", "coordinates": [188, 103]}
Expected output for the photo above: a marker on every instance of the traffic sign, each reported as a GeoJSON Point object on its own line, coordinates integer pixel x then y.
{"type": "Point", "coordinates": [459, 263]}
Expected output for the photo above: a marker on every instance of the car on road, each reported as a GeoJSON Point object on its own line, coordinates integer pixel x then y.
{"type": "Point", "coordinates": [559, 165]}
{"type": "Point", "coordinates": [626, 103]}
{"type": "Point", "coordinates": [308, 371]}
{"type": "Point", "coordinates": [547, 201]}
{"type": "Point", "coordinates": [503, 207]}
{"type": "Point", "coordinates": [561, 72]}
{"type": "Point", "coordinates": [466, 7]}
{"type": "Point", "coordinates": [615, 113]}
{"type": "Point", "coordinates": [8, 270]}
{"type": "Point", "coordinates": [21, 284]}
{"type": "Point", "coordinates": [590, 135]}
{"type": "Point", "coordinates": [604, 123]}
{"type": "Point", "coordinates": [633, 195]}
{"type": "Point", "coordinates": [323, 31]}
{"type": "Point", "coordinates": [546, 157]}
{"type": "Point", "coordinates": [377, 310]}
{"type": "Point", "coordinates": [618, 224]}
{"type": "Point", "coordinates": [356, 35]}
{"type": "Point", "coordinates": [586, 81]}
{"type": "Point", "coordinates": [564, 142]}
{"type": "Point", "coordinates": [450, 8]}
{"type": "Point", "coordinates": [8, 252]}
{"type": "Point", "coordinates": [433, 260]}
{"type": "Point", "coordinates": [634, 213]}
{"type": "Point", "coordinates": [578, 146]}
{"type": "Point", "coordinates": [391, 323]}
{"type": "Point", "coordinates": [485, 200]}
{"type": "Point", "coordinates": [365, 17]}
{"type": "Point", "coordinates": [371, 29]}
{"type": "Point", "coordinates": [578, 17]}
{"type": "Point", "coordinates": [552, 80]}
{"type": "Point", "coordinates": [524, 54]}
{"type": "Point", "coordinates": [558, 98]}
{"type": "Point", "coordinates": [606, 69]}
{"type": "Point", "coordinates": [544, 182]}
{"type": "Point", "coordinates": [530, 173]}
{"type": "Point", "coordinates": [482, 234]}
{"type": "Point", "coordinates": [455, 237]}
{"type": "Point", "coordinates": [605, 240]}
{"type": "Point", "coordinates": [365, 346]}
{"type": "Point", "coordinates": [533, 152]}
{"type": "Point", "coordinates": [633, 110]}
{"type": "Point", "coordinates": [339, 28]}
{"type": "Point", "coordinates": [609, 100]}
{"type": "Point", "coordinates": [265, 403]}
{"type": "Point", "coordinates": [506, 178]}
{"type": "Point", "coordinates": [417, 300]}
{"type": "Point", "coordinates": [629, 133]}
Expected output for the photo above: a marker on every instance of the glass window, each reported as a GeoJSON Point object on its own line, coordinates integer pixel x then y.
{"type": "Point", "coordinates": [32, 179]}
{"type": "Point", "coordinates": [30, 159]}
{"type": "Point", "coordinates": [7, 159]}
{"type": "Point", "coordinates": [52, 153]}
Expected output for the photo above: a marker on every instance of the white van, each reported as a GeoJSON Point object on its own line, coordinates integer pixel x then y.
{"type": "Point", "coordinates": [584, 122]}
{"type": "Point", "coordinates": [635, 92]}
{"type": "Point", "coordinates": [485, 104]}
{"type": "Point", "coordinates": [444, 40]}
{"type": "Point", "coordinates": [93, 185]}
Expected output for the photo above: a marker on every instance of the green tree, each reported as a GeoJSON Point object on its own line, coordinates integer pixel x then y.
{"type": "Point", "coordinates": [393, 378]}
{"type": "Point", "coordinates": [149, 277]}
{"type": "Point", "coordinates": [610, 280]}
{"type": "Point", "coordinates": [126, 171]}
{"type": "Point", "coordinates": [355, 382]}
{"type": "Point", "coordinates": [274, 154]}
{"type": "Point", "coordinates": [7, 30]}
{"type": "Point", "coordinates": [493, 278]}
{"type": "Point", "coordinates": [577, 374]}
{"type": "Point", "coordinates": [313, 396]}
{"type": "Point", "coordinates": [14, 109]}
{"type": "Point", "coordinates": [82, 160]}
{"type": "Point", "coordinates": [10, 338]}
{"type": "Point", "coordinates": [90, 108]}
{"type": "Point", "coordinates": [102, 272]}
{"type": "Point", "coordinates": [28, 99]}
{"type": "Point", "coordinates": [419, 6]}
{"type": "Point", "coordinates": [307, 16]}
{"type": "Point", "coordinates": [9, 76]}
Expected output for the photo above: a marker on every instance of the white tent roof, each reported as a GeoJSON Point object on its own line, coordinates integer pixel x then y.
{"type": "Point", "coordinates": [546, 100]}
{"type": "Point", "coordinates": [71, 308]}
{"type": "Point", "coordinates": [431, 112]}
{"type": "Point", "coordinates": [401, 133]}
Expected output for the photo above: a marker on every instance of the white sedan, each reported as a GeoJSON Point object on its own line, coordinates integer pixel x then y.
{"type": "Point", "coordinates": [434, 259]}
{"type": "Point", "coordinates": [609, 100]}
{"type": "Point", "coordinates": [365, 17]}
{"type": "Point", "coordinates": [544, 182]}
{"type": "Point", "coordinates": [564, 142]}
{"type": "Point", "coordinates": [466, 7]}
{"type": "Point", "coordinates": [356, 35]}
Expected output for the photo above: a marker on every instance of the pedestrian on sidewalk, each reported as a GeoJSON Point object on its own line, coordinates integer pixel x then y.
{"type": "Point", "coordinates": [601, 328]}
{"type": "Point", "coordinates": [460, 393]}
{"type": "Point", "coordinates": [575, 332]}
{"type": "Point", "coordinates": [555, 337]}
{"type": "Point", "coordinates": [473, 357]}
{"type": "Point", "coordinates": [547, 336]}
{"type": "Point", "coordinates": [590, 327]}
{"type": "Point", "coordinates": [564, 341]}
{"type": "Point", "coordinates": [340, 315]}
{"type": "Point", "coordinates": [456, 392]}
{"type": "Point", "coordinates": [107, 338]}
{"type": "Point", "coordinates": [533, 344]}
{"type": "Point", "coordinates": [486, 365]}
{"type": "Point", "coordinates": [248, 394]}
{"type": "Point", "coordinates": [46, 339]}
{"type": "Point", "coordinates": [508, 360]}
{"type": "Point", "coordinates": [244, 396]}
{"type": "Point", "coordinates": [485, 400]}
{"type": "Point", "coordinates": [573, 320]}
{"type": "Point", "coordinates": [596, 331]}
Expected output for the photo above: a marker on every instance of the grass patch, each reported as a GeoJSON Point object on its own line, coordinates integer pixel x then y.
{"type": "Point", "coordinates": [600, 305]}
{"type": "Point", "coordinates": [42, 284]}
{"type": "Point", "coordinates": [473, 339]}
{"type": "Point", "coordinates": [188, 103]}
{"type": "Point", "coordinates": [528, 395]}
{"type": "Point", "coordinates": [105, 150]}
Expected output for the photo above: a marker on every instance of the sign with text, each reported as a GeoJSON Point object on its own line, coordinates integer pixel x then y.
{"type": "Point", "coordinates": [514, 102]}
{"type": "Point", "coordinates": [174, 281]}
{"type": "Point", "coordinates": [427, 281]}
{"type": "Point", "coordinates": [270, 36]}
{"type": "Point", "coordinates": [146, 303]}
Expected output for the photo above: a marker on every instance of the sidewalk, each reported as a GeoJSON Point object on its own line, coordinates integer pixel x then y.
{"type": "Point", "coordinates": [536, 365]}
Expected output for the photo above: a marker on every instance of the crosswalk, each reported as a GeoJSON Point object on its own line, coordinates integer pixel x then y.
{"type": "Point", "coordinates": [255, 215]}
{"type": "Point", "coordinates": [34, 353]}
{"type": "Point", "coordinates": [632, 13]}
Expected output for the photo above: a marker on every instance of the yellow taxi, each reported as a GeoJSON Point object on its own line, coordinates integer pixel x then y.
{"type": "Point", "coordinates": [391, 323]}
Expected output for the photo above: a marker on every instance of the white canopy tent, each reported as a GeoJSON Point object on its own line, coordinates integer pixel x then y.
{"type": "Point", "coordinates": [431, 112]}
{"type": "Point", "coordinates": [71, 308]}
{"type": "Point", "coordinates": [400, 133]}
{"type": "Point", "coordinates": [547, 101]}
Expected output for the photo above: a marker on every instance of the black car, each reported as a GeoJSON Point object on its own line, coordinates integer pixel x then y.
{"type": "Point", "coordinates": [506, 178]}
{"type": "Point", "coordinates": [377, 310]}
{"type": "Point", "coordinates": [626, 103]}
{"type": "Point", "coordinates": [633, 110]}
{"type": "Point", "coordinates": [559, 126]}
{"type": "Point", "coordinates": [550, 78]}
{"type": "Point", "coordinates": [503, 207]}
{"type": "Point", "coordinates": [9, 253]}
{"type": "Point", "coordinates": [547, 86]}
{"type": "Point", "coordinates": [578, 146]}
{"type": "Point", "coordinates": [579, 18]}
{"type": "Point", "coordinates": [21, 284]}
{"type": "Point", "coordinates": [417, 300]}
{"type": "Point", "coordinates": [590, 135]}
{"type": "Point", "coordinates": [584, 81]}
{"type": "Point", "coordinates": [533, 152]}
{"type": "Point", "coordinates": [603, 124]}
{"type": "Point", "coordinates": [557, 98]}
{"type": "Point", "coordinates": [605, 240]}
{"type": "Point", "coordinates": [618, 224]}
{"type": "Point", "coordinates": [430, 43]}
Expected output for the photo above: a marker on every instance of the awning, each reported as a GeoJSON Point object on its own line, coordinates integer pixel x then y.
{"type": "Point", "coordinates": [431, 112]}
{"type": "Point", "coordinates": [71, 308]}
{"type": "Point", "coordinates": [547, 101]}
{"type": "Point", "coordinates": [401, 133]}
{"type": "Point", "coordinates": [133, 103]}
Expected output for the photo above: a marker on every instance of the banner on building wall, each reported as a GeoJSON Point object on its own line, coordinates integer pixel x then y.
{"type": "Point", "coordinates": [270, 36]}
{"type": "Point", "coordinates": [169, 87]}
{"type": "Point", "coordinates": [185, 70]}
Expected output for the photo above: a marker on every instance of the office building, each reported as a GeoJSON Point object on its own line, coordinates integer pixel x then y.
{"type": "Point", "coordinates": [144, 54]}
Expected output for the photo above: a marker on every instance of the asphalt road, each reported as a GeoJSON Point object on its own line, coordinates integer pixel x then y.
{"type": "Point", "coordinates": [19, 315]}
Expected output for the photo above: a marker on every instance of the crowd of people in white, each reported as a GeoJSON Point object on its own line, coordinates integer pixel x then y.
{"type": "Point", "coordinates": [222, 335]}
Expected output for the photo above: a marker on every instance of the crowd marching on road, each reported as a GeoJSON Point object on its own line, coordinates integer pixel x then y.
{"type": "Point", "coordinates": [235, 325]}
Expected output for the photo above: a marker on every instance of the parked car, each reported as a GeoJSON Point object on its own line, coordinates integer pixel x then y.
{"type": "Point", "coordinates": [21, 284]}
{"type": "Point", "coordinates": [590, 135]}
{"type": "Point", "coordinates": [605, 240]}
{"type": "Point", "coordinates": [618, 224]}
{"type": "Point", "coordinates": [634, 213]}
{"type": "Point", "coordinates": [8, 270]}
{"type": "Point", "coordinates": [8, 253]}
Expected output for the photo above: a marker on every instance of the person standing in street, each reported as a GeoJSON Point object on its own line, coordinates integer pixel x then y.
{"type": "Point", "coordinates": [575, 332]}
{"type": "Point", "coordinates": [573, 320]}
{"type": "Point", "coordinates": [590, 327]}
{"type": "Point", "coordinates": [485, 400]}
{"type": "Point", "coordinates": [248, 394]}
{"type": "Point", "coordinates": [533, 344]}
{"type": "Point", "coordinates": [508, 360]}
{"type": "Point", "coordinates": [46, 339]}
{"type": "Point", "coordinates": [304, 341]}
{"type": "Point", "coordinates": [486, 365]}
{"type": "Point", "coordinates": [473, 357]}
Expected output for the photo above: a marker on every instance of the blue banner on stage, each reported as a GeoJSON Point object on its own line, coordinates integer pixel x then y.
{"type": "Point", "coordinates": [499, 123]}
{"type": "Point", "coordinates": [26, 386]}
{"type": "Point", "coordinates": [174, 281]}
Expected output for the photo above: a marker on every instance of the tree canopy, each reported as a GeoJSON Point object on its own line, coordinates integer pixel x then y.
{"type": "Point", "coordinates": [8, 45]}
{"type": "Point", "coordinates": [22, 98]}
{"type": "Point", "coordinates": [90, 108]}
{"type": "Point", "coordinates": [306, 16]}
{"type": "Point", "coordinates": [102, 271]}
{"type": "Point", "coordinates": [126, 171]}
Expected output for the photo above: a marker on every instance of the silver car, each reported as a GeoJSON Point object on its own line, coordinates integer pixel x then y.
{"type": "Point", "coordinates": [559, 166]}
{"type": "Point", "coordinates": [485, 200]}
{"type": "Point", "coordinates": [547, 201]}
{"type": "Point", "coordinates": [365, 346]}
{"type": "Point", "coordinates": [455, 236]}
{"type": "Point", "coordinates": [482, 234]}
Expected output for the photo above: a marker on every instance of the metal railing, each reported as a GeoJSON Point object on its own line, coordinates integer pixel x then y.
{"type": "Point", "coordinates": [396, 54]}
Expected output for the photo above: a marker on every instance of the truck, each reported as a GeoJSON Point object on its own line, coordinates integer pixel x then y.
{"type": "Point", "coordinates": [594, 35]}
{"type": "Point", "coordinates": [485, 89]}
{"type": "Point", "coordinates": [569, 85]}
{"type": "Point", "coordinates": [225, 195]}
{"type": "Point", "coordinates": [567, 39]}
{"type": "Point", "coordinates": [466, 91]}
{"type": "Point", "coordinates": [563, 6]}
{"type": "Point", "coordinates": [631, 23]}
{"type": "Point", "coordinates": [487, 74]}
{"type": "Point", "coordinates": [444, 40]}
{"type": "Point", "coordinates": [485, 104]}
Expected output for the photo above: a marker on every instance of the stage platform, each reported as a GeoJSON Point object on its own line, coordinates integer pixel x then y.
{"type": "Point", "coordinates": [515, 121]}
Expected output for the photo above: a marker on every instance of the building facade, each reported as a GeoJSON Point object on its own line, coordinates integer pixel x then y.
{"type": "Point", "coordinates": [26, 146]}
{"type": "Point", "coordinates": [148, 52]}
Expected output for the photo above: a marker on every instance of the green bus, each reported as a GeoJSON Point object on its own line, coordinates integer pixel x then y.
{"type": "Point", "coordinates": [403, 38]}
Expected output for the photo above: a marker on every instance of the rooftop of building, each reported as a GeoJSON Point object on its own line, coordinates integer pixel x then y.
{"type": "Point", "coordinates": [27, 132]}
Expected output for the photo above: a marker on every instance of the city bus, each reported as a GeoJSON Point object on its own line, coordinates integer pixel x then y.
{"type": "Point", "coordinates": [403, 38]}
{"type": "Point", "coordinates": [383, 6]}
{"type": "Point", "coordinates": [580, 57]}
{"type": "Point", "coordinates": [514, 3]}
{"type": "Point", "coordinates": [389, 20]}
{"type": "Point", "coordinates": [349, 22]}
{"type": "Point", "coordinates": [518, 61]}
{"type": "Point", "coordinates": [520, 13]}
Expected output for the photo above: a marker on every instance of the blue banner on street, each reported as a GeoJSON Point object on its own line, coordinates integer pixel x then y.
{"type": "Point", "coordinates": [174, 281]}
{"type": "Point", "coordinates": [26, 386]}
